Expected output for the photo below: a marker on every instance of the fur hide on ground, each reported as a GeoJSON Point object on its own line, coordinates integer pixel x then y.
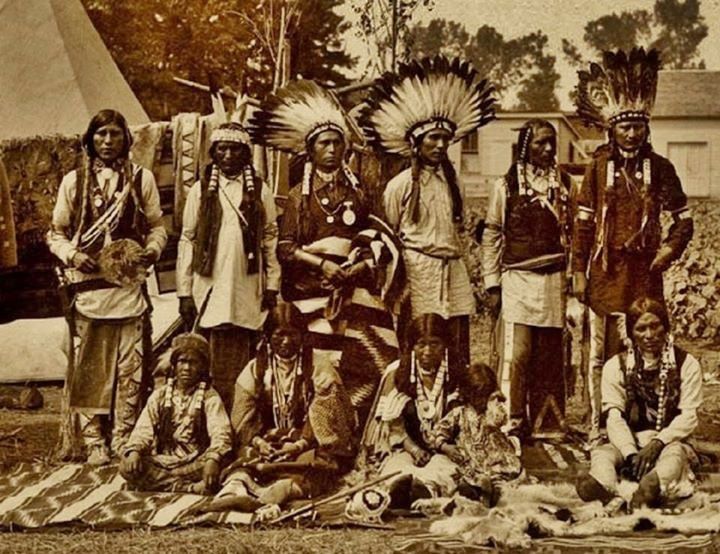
{"type": "Point", "coordinates": [532, 511]}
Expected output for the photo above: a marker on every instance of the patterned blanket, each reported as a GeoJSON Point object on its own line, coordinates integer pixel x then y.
{"type": "Point", "coordinates": [34, 497]}
{"type": "Point", "coordinates": [360, 337]}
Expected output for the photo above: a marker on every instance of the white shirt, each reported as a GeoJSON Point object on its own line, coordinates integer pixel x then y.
{"type": "Point", "coordinates": [119, 302]}
{"type": "Point", "coordinates": [235, 296]}
{"type": "Point", "coordinates": [436, 285]}
{"type": "Point", "coordinates": [614, 401]}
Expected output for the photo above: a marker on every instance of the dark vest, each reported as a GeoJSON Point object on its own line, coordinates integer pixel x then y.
{"type": "Point", "coordinates": [642, 398]}
{"type": "Point", "coordinates": [531, 230]}
{"type": "Point", "coordinates": [208, 229]}
{"type": "Point", "coordinates": [133, 223]}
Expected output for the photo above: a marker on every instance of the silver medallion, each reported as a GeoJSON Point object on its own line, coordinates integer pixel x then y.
{"type": "Point", "coordinates": [330, 219]}
{"type": "Point", "coordinates": [349, 217]}
{"type": "Point", "coordinates": [324, 201]}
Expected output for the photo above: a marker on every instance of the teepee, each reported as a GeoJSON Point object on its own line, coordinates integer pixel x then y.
{"type": "Point", "coordinates": [55, 70]}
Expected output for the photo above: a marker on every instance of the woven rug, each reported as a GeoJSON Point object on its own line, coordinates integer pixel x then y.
{"type": "Point", "coordinates": [34, 497]}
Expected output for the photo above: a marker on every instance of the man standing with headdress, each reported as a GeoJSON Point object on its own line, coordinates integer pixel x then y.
{"type": "Point", "coordinates": [106, 202]}
{"type": "Point", "coordinates": [227, 269]}
{"type": "Point", "coordinates": [416, 114]}
{"type": "Point", "coordinates": [328, 252]}
{"type": "Point", "coordinates": [619, 254]}
{"type": "Point", "coordinates": [524, 268]}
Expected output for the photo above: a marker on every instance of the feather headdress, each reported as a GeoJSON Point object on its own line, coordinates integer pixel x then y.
{"type": "Point", "coordinates": [290, 117]}
{"type": "Point", "coordinates": [424, 95]}
{"type": "Point", "coordinates": [622, 88]}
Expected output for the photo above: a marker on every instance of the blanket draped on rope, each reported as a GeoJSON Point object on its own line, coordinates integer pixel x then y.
{"type": "Point", "coordinates": [354, 325]}
{"type": "Point", "coordinates": [35, 497]}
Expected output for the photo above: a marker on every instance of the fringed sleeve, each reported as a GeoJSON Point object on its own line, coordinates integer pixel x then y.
{"type": "Point", "coordinates": [584, 204]}
{"type": "Point", "coordinates": [385, 429]}
{"type": "Point", "coordinates": [245, 416]}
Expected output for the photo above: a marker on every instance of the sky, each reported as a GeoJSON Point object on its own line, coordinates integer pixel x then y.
{"type": "Point", "coordinates": [558, 19]}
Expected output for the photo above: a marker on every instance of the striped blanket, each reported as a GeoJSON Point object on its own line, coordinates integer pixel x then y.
{"type": "Point", "coordinates": [35, 497]}
{"type": "Point", "coordinates": [354, 327]}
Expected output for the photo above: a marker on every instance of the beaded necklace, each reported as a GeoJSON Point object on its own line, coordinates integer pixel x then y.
{"type": "Point", "coordinates": [196, 403]}
{"type": "Point", "coordinates": [667, 364]}
{"type": "Point", "coordinates": [611, 174]}
{"type": "Point", "coordinates": [282, 401]}
{"type": "Point", "coordinates": [428, 403]}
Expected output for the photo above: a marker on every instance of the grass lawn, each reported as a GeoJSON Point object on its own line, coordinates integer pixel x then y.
{"type": "Point", "coordinates": [31, 436]}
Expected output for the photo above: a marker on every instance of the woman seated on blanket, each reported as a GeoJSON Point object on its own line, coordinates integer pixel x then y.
{"type": "Point", "coordinates": [470, 436]}
{"type": "Point", "coordinates": [183, 432]}
{"type": "Point", "coordinates": [292, 420]}
{"type": "Point", "coordinates": [416, 393]}
{"type": "Point", "coordinates": [650, 397]}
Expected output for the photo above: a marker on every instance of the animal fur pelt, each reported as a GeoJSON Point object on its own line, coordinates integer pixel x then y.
{"type": "Point", "coordinates": [529, 511]}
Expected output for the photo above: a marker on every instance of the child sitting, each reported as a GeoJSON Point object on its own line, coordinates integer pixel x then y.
{"type": "Point", "coordinates": [183, 432]}
{"type": "Point", "coordinates": [470, 436]}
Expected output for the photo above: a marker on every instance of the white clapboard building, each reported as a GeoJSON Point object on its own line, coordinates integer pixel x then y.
{"type": "Point", "coordinates": [685, 127]}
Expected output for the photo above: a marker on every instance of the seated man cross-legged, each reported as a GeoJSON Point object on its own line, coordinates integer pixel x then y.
{"type": "Point", "coordinates": [650, 396]}
{"type": "Point", "coordinates": [292, 420]}
{"type": "Point", "coordinates": [184, 431]}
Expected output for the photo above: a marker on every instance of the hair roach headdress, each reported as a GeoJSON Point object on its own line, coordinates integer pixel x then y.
{"type": "Point", "coordinates": [622, 88]}
{"type": "Point", "coordinates": [293, 115]}
{"type": "Point", "coordinates": [230, 132]}
{"type": "Point", "coordinates": [432, 93]}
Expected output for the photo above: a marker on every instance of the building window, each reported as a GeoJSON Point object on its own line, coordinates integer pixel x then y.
{"type": "Point", "coordinates": [470, 143]}
{"type": "Point", "coordinates": [692, 163]}
{"type": "Point", "coordinates": [470, 158]}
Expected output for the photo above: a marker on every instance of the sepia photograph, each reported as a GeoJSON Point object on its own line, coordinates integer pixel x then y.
{"type": "Point", "coordinates": [359, 276]}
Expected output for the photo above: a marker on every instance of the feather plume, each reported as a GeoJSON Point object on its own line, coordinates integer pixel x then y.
{"type": "Point", "coordinates": [293, 114]}
{"type": "Point", "coordinates": [622, 86]}
{"type": "Point", "coordinates": [432, 90]}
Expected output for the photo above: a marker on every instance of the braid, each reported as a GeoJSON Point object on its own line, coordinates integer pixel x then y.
{"type": "Point", "coordinates": [84, 184]}
{"type": "Point", "coordinates": [524, 137]}
{"type": "Point", "coordinates": [165, 423]}
{"type": "Point", "coordinates": [305, 191]}
{"type": "Point", "coordinates": [414, 201]}
{"type": "Point", "coordinates": [452, 181]}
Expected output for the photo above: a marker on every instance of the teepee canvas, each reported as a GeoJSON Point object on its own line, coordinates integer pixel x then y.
{"type": "Point", "coordinates": [55, 71]}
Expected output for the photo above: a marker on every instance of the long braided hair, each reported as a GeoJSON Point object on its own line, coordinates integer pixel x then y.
{"type": "Point", "coordinates": [424, 325]}
{"type": "Point", "coordinates": [416, 166]}
{"type": "Point", "coordinates": [251, 207]}
{"type": "Point", "coordinates": [651, 207]}
{"type": "Point", "coordinates": [306, 183]}
{"type": "Point", "coordinates": [90, 156]}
